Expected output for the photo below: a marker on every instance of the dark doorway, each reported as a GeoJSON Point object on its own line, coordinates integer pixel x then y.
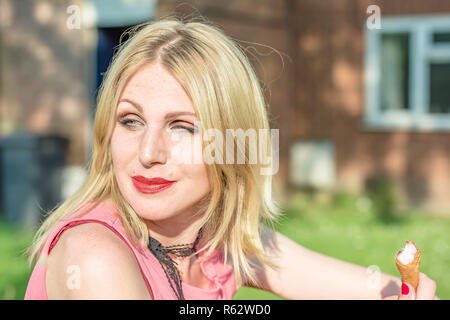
{"type": "Point", "coordinates": [108, 41]}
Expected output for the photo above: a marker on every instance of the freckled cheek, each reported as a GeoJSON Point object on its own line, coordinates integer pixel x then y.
{"type": "Point", "coordinates": [195, 177]}
{"type": "Point", "coordinates": [186, 154]}
{"type": "Point", "coordinates": [187, 150]}
{"type": "Point", "coordinates": [123, 151]}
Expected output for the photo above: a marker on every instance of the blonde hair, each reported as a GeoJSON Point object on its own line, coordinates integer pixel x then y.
{"type": "Point", "coordinates": [226, 94]}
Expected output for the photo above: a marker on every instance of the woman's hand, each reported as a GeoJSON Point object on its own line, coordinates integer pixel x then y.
{"type": "Point", "coordinates": [425, 290]}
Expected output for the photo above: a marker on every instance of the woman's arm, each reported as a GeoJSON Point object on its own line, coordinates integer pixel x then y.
{"type": "Point", "coordinates": [90, 262]}
{"type": "Point", "coordinates": [305, 274]}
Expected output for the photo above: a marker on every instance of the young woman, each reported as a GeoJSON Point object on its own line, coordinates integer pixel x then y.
{"type": "Point", "coordinates": [164, 214]}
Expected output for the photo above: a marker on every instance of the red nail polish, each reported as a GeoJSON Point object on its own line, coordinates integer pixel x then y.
{"type": "Point", "coordinates": [405, 289]}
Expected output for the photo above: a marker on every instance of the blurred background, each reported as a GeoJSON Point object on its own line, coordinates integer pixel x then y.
{"type": "Point", "coordinates": [359, 90]}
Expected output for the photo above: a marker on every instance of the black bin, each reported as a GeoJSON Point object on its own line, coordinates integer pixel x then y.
{"type": "Point", "coordinates": [31, 176]}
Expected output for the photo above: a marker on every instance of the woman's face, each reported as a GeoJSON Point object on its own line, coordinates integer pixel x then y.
{"type": "Point", "coordinates": [154, 137]}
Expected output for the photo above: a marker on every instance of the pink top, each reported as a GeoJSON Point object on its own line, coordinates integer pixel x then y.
{"type": "Point", "coordinates": [220, 276]}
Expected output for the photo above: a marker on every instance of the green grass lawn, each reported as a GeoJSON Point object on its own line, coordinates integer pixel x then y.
{"type": "Point", "coordinates": [14, 272]}
{"type": "Point", "coordinates": [344, 227]}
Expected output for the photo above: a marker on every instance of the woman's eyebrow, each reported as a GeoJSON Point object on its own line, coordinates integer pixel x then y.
{"type": "Point", "coordinates": [169, 115]}
{"type": "Point", "coordinates": [175, 114]}
{"type": "Point", "coordinates": [134, 104]}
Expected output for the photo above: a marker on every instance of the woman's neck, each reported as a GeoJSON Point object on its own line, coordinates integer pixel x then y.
{"type": "Point", "coordinates": [179, 229]}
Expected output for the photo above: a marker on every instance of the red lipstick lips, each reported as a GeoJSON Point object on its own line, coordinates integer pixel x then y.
{"type": "Point", "coordinates": [153, 185]}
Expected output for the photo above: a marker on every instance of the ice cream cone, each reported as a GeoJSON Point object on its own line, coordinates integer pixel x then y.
{"type": "Point", "coordinates": [410, 272]}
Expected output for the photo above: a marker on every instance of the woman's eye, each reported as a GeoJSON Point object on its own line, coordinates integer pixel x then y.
{"type": "Point", "coordinates": [185, 128]}
{"type": "Point", "coordinates": [129, 123]}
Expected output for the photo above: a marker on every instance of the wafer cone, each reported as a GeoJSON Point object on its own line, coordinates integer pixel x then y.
{"type": "Point", "coordinates": [410, 272]}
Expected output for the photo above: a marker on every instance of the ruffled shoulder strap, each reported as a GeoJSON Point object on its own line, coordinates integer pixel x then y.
{"type": "Point", "coordinates": [215, 269]}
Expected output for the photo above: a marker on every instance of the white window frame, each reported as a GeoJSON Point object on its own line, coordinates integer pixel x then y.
{"type": "Point", "coordinates": [422, 52]}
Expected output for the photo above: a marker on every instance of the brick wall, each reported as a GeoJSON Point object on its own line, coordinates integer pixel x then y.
{"type": "Point", "coordinates": [331, 104]}
{"type": "Point", "coordinates": [43, 87]}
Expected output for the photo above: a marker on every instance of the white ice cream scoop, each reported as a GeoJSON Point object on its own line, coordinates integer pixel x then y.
{"type": "Point", "coordinates": [407, 254]}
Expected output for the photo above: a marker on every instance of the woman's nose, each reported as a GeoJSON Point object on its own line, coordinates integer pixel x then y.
{"type": "Point", "coordinates": [153, 147]}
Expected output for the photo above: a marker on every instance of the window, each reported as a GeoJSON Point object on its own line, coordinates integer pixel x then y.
{"type": "Point", "coordinates": [407, 74]}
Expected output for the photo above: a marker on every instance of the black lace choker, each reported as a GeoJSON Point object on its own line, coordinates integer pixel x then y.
{"type": "Point", "coordinates": [168, 264]}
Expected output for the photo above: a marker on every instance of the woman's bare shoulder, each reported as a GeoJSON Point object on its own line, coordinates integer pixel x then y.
{"type": "Point", "coordinates": [90, 262]}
